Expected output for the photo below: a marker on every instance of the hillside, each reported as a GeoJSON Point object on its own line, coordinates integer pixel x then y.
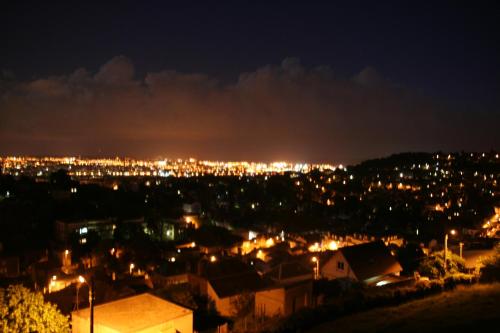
{"type": "Point", "coordinates": [462, 310]}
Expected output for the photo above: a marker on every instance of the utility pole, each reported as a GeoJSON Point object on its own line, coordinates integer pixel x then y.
{"type": "Point", "coordinates": [445, 250]}
{"type": "Point", "coordinates": [91, 301]}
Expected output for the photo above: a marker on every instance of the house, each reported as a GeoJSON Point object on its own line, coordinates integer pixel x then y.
{"type": "Point", "coordinates": [170, 273]}
{"type": "Point", "coordinates": [290, 292]}
{"type": "Point", "coordinates": [65, 229]}
{"type": "Point", "coordinates": [141, 313]}
{"type": "Point", "coordinates": [224, 280]}
{"type": "Point", "coordinates": [225, 291]}
{"type": "Point", "coordinates": [371, 263]}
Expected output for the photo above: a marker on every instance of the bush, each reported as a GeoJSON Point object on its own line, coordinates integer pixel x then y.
{"type": "Point", "coordinates": [433, 265]}
{"type": "Point", "coordinates": [458, 278]}
{"type": "Point", "coordinates": [24, 311]}
{"type": "Point", "coordinates": [491, 270]}
{"type": "Point", "coordinates": [425, 287]}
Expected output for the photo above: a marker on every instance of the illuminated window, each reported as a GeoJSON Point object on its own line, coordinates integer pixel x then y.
{"type": "Point", "coordinates": [83, 230]}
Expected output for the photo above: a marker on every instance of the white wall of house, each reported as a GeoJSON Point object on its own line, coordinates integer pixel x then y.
{"type": "Point", "coordinates": [223, 305]}
{"type": "Point", "coordinates": [337, 267]}
{"type": "Point", "coordinates": [269, 303]}
{"type": "Point", "coordinates": [297, 297]}
{"type": "Point", "coordinates": [283, 301]}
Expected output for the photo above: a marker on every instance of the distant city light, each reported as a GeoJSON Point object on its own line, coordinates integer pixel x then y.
{"type": "Point", "coordinates": [333, 246]}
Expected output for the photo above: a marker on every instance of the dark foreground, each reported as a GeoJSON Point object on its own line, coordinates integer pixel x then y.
{"type": "Point", "coordinates": [465, 309]}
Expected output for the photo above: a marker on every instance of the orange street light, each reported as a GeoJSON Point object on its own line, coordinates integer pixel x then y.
{"type": "Point", "coordinates": [453, 232]}
{"type": "Point", "coordinates": [91, 285]}
{"type": "Point", "coordinates": [81, 280]}
{"type": "Point", "coordinates": [316, 269]}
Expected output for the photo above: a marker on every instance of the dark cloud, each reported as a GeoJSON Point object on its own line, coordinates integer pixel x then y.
{"type": "Point", "coordinates": [117, 71]}
{"type": "Point", "coordinates": [287, 111]}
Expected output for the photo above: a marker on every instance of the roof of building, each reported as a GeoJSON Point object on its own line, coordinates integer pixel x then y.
{"type": "Point", "coordinates": [289, 270]}
{"type": "Point", "coordinates": [369, 260]}
{"type": "Point", "coordinates": [134, 313]}
{"type": "Point", "coordinates": [223, 267]}
{"type": "Point", "coordinates": [237, 284]}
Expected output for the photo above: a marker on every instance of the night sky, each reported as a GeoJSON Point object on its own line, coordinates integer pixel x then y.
{"type": "Point", "coordinates": [258, 80]}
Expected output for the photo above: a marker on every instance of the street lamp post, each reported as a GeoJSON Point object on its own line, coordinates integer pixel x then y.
{"type": "Point", "coordinates": [445, 250]}
{"type": "Point", "coordinates": [81, 280]}
{"type": "Point", "coordinates": [66, 254]}
{"type": "Point", "coordinates": [91, 285]}
{"type": "Point", "coordinates": [316, 270]}
{"type": "Point", "coordinates": [452, 232]}
{"type": "Point", "coordinates": [461, 247]}
{"type": "Point", "coordinates": [91, 301]}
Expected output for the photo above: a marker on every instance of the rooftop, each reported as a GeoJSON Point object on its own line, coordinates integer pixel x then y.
{"type": "Point", "coordinates": [289, 270]}
{"type": "Point", "coordinates": [134, 313]}
{"type": "Point", "coordinates": [236, 284]}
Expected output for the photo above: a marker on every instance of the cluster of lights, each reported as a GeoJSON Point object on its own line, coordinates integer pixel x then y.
{"type": "Point", "coordinates": [124, 167]}
{"type": "Point", "coordinates": [328, 245]}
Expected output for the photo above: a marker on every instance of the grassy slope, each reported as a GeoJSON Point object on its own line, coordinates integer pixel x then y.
{"type": "Point", "coordinates": [473, 309]}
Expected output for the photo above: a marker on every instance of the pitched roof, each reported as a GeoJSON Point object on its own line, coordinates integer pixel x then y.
{"type": "Point", "coordinates": [369, 260]}
{"type": "Point", "coordinates": [223, 267]}
{"type": "Point", "coordinates": [237, 284]}
{"type": "Point", "coordinates": [288, 270]}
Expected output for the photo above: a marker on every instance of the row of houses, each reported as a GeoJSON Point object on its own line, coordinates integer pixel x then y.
{"type": "Point", "coordinates": [230, 283]}
{"type": "Point", "coordinates": [287, 287]}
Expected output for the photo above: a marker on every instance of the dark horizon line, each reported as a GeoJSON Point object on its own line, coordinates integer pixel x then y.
{"type": "Point", "coordinates": [491, 151]}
